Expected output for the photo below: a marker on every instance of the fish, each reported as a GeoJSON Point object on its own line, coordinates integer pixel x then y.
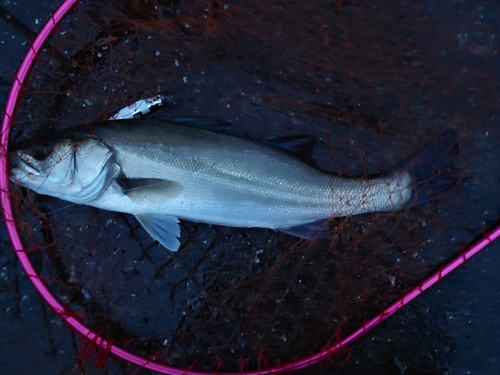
{"type": "Point", "coordinates": [163, 171]}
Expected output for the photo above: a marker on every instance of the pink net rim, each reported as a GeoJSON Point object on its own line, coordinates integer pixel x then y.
{"type": "Point", "coordinates": [106, 345]}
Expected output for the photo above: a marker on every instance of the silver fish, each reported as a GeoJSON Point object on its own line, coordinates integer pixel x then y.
{"type": "Point", "coordinates": [161, 172]}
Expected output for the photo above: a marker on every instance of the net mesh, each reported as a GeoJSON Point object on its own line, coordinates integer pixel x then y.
{"type": "Point", "coordinates": [239, 298]}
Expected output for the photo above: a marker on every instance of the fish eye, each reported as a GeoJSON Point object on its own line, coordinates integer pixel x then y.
{"type": "Point", "coordinates": [42, 152]}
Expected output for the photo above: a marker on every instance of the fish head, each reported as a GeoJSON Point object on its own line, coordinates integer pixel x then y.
{"type": "Point", "coordinates": [74, 171]}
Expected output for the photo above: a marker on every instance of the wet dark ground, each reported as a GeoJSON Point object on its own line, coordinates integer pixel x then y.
{"type": "Point", "coordinates": [453, 328]}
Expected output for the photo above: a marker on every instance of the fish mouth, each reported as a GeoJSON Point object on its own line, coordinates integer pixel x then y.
{"type": "Point", "coordinates": [22, 162]}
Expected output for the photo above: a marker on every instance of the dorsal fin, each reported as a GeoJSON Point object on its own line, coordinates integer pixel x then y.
{"type": "Point", "coordinates": [214, 124]}
{"type": "Point", "coordinates": [293, 144]}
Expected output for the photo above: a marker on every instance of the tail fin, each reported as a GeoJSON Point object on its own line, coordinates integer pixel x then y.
{"type": "Point", "coordinates": [432, 169]}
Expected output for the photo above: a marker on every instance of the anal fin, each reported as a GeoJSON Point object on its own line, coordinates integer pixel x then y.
{"type": "Point", "coordinates": [316, 230]}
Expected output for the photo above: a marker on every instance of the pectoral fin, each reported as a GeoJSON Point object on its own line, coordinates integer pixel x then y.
{"type": "Point", "coordinates": [153, 190]}
{"type": "Point", "coordinates": [316, 230]}
{"type": "Point", "coordinates": [163, 228]}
